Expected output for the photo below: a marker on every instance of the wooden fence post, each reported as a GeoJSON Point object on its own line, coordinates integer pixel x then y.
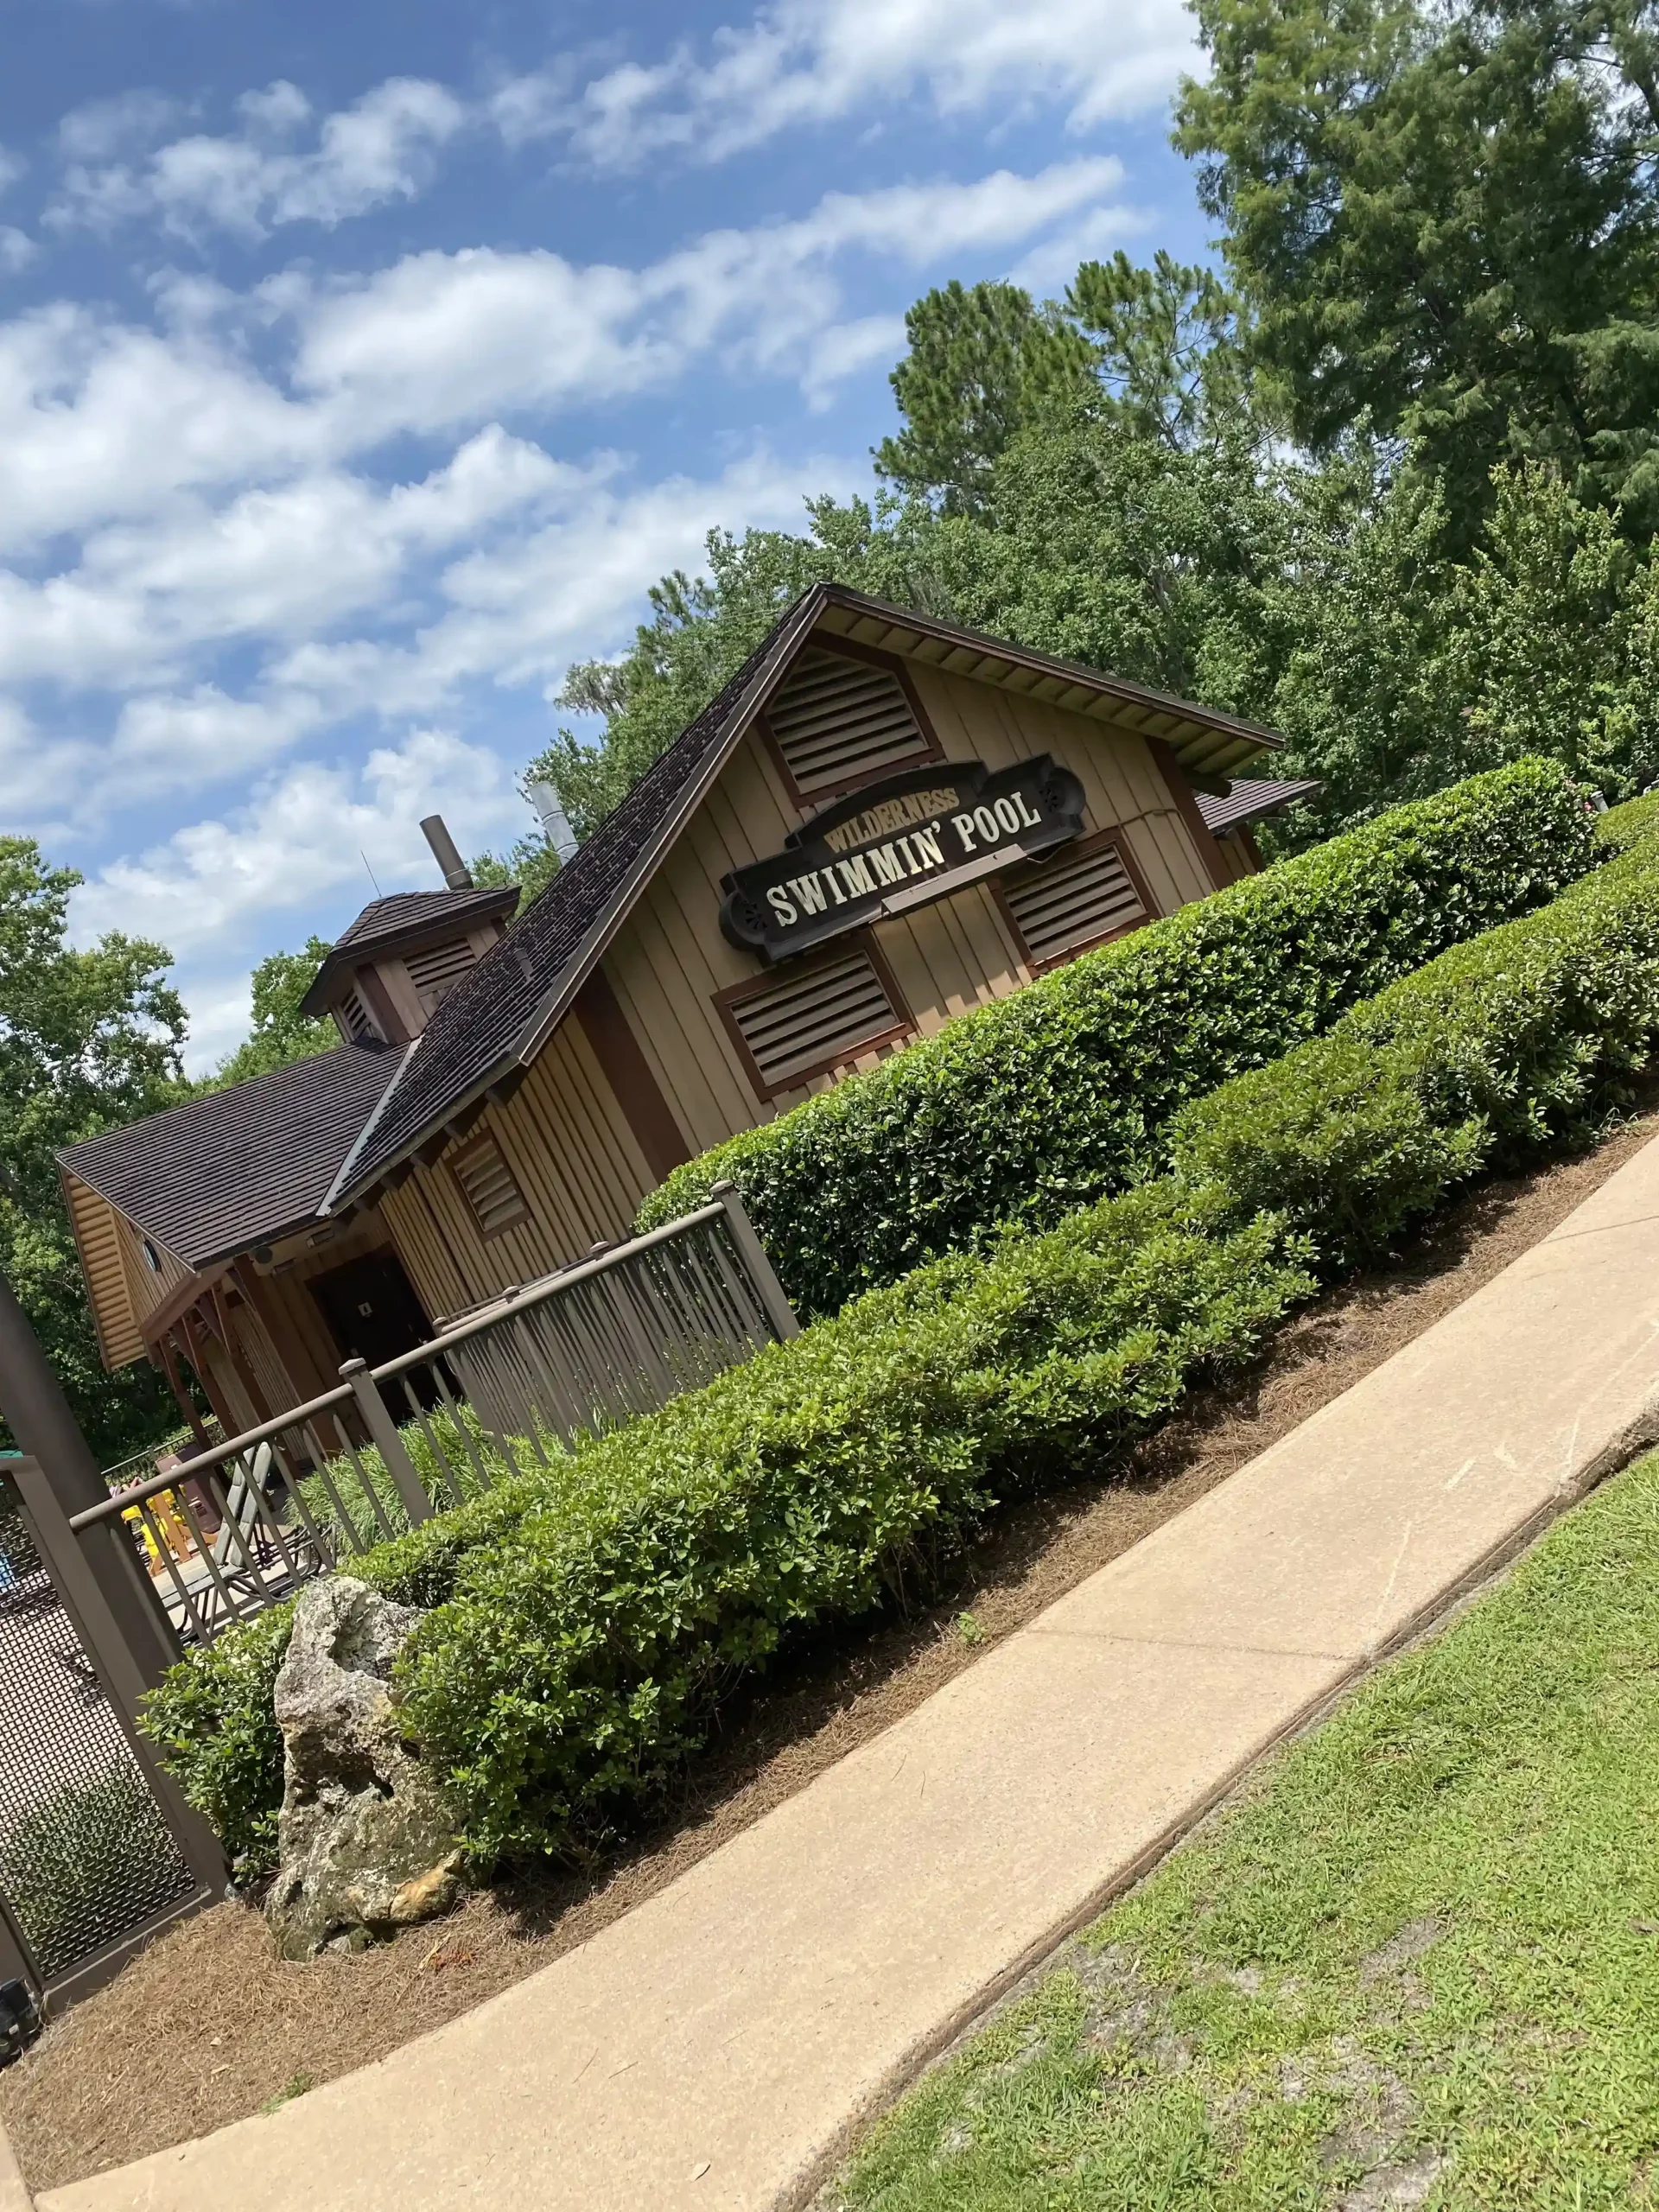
{"type": "Point", "coordinates": [377, 1418]}
{"type": "Point", "coordinates": [752, 1253]}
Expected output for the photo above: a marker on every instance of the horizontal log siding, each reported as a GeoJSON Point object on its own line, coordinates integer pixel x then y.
{"type": "Point", "coordinates": [566, 1141]}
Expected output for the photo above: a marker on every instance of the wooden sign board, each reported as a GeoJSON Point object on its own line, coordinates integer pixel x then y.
{"type": "Point", "coordinates": [912, 838]}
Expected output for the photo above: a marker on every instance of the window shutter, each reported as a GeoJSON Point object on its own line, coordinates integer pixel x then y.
{"type": "Point", "coordinates": [486, 1185]}
{"type": "Point", "coordinates": [360, 1022]}
{"type": "Point", "coordinates": [1073, 901]}
{"type": "Point", "coordinates": [437, 967]}
{"type": "Point", "coordinates": [836, 720]}
{"type": "Point", "coordinates": [804, 1024]}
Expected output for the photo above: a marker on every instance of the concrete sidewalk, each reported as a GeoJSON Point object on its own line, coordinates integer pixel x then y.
{"type": "Point", "coordinates": [714, 2048]}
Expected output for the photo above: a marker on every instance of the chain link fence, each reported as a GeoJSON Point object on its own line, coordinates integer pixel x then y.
{"type": "Point", "coordinates": [86, 1858]}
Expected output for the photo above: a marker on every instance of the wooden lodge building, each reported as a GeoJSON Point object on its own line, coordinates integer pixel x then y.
{"type": "Point", "coordinates": [881, 821]}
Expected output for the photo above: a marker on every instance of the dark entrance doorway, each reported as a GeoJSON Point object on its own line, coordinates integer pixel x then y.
{"type": "Point", "coordinates": [371, 1308]}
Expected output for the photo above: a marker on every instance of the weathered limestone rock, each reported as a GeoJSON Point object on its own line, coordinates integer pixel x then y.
{"type": "Point", "coordinates": [366, 1837]}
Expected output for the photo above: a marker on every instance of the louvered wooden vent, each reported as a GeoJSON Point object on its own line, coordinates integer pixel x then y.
{"type": "Point", "coordinates": [836, 720]}
{"type": "Point", "coordinates": [358, 1021]}
{"type": "Point", "coordinates": [1072, 902]}
{"type": "Point", "coordinates": [437, 967]}
{"type": "Point", "coordinates": [486, 1185]}
{"type": "Point", "coordinates": [804, 1024]}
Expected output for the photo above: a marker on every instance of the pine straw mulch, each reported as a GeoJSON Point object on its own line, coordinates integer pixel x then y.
{"type": "Point", "coordinates": [209, 2026]}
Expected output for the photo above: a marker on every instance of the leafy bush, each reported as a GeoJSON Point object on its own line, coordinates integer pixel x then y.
{"type": "Point", "coordinates": [212, 1715]}
{"type": "Point", "coordinates": [1518, 1041]}
{"type": "Point", "coordinates": [590, 1618]}
{"type": "Point", "coordinates": [575, 1666]}
{"type": "Point", "coordinates": [1051, 1098]}
{"type": "Point", "coordinates": [601, 1608]}
{"type": "Point", "coordinates": [211, 1719]}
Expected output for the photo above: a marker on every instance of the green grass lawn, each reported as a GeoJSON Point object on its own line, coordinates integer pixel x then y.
{"type": "Point", "coordinates": [1419, 1965]}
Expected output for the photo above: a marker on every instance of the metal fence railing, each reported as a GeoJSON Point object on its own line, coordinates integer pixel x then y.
{"type": "Point", "coordinates": [233, 1528]}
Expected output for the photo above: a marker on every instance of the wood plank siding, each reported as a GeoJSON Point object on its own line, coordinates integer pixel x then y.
{"type": "Point", "coordinates": [567, 1138]}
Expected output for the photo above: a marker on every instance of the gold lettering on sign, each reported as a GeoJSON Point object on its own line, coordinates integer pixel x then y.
{"type": "Point", "coordinates": [892, 814]}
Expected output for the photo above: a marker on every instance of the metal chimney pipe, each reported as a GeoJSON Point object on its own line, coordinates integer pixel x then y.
{"type": "Point", "coordinates": [543, 796]}
{"type": "Point", "coordinates": [457, 874]}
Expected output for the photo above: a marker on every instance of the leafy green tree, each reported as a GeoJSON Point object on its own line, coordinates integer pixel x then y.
{"type": "Point", "coordinates": [532, 863]}
{"type": "Point", "coordinates": [1133, 554]}
{"type": "Point", "coordinates": [1166, 345]}
{"type": "Point", "coordinates": [982, 362]}
{"type": "Point", "coordinates": [1443, 220]}
{"type": "Point", "coordinates": [1540, 647]}
{"type": "Point", "coordinates": [280, 1033]}
{"type": "Point", "coordinates": [89, 1039]}
{"type": "Point", "coordinates": [1364, 695]}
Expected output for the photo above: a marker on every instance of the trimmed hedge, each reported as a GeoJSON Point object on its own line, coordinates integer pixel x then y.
{"type": "Point", "coordinates": [598, 1611]}
{"type": "Point", "coordinates": [1519, 1042]}
{"type": "Point", "coordinates": [590, 1619]}
{"type": "Point", "coordinates": [1051, 1098]}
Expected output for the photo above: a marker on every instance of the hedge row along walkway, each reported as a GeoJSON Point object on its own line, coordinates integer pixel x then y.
{"type": "Point", "coordinates": [716, 2047]}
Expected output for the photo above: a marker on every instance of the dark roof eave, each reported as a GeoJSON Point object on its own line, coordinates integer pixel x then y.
{"type": "Point", "coordinates": [1076, 671]}
{"type": "Point", "coordinates": [533, 1033]}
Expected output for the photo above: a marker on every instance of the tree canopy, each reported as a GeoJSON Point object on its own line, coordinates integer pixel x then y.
{"type": "Point", "coordinates": [280, 1033]}
{"type": "Point", "coordinates": [89, 1039]}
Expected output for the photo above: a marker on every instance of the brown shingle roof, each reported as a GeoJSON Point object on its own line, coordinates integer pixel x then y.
{"type": "Point", "coordinates": [236, 1167]}
{"type": "Point", "coordinates": [486, 1020]}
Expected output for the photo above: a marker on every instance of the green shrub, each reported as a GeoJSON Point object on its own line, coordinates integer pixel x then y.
{"type": "Point", "coordinates": [576, 1665]}
{"type": "Point", "coordinates": [1051, 1098]}
{"type": "Point", "coordinates": [212, 1718]}
{"type": "Point", "coordinates": [591, 1618]}
{"type": "Point", "coordinates": [1517, 1042]}
{"type": "Point", "coordinates": [1622, 826]}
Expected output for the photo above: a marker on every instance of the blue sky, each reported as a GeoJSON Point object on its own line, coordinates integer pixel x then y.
{"type": "Point", "coordinates": [361, 366]}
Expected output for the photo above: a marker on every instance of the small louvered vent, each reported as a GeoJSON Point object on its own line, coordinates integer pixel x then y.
{"type": "Point", "coordinates": [807, 1023]}
{"type": "Point", "coordinates": [358, 1021]}
{"type": "Point", "coordinates": [836, 720]}
{"type": "Point", "coordinates": [1073, 902]}
{"type": "Point", "coordinates": [486, 1185]}
{"type": "Point", "coordinates": [434, 969]}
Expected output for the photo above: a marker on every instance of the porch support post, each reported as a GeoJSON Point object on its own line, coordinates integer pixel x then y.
{"type": "Point", "coordinates": [38, 1414]}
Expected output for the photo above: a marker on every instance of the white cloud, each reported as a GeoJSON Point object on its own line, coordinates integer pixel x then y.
{"type": "Point", "coordinates": [219, 892]}
{"type": "Point", "coordinates": [805, 62]}
{"type": "Point", "coordinates": [101, 129]}
{"type": "Point", "coordinates": [441, 336]}
{"type": "Point", "coordinates": [12, 166]}
{"type": "Point", "coordinates": [272, 564]}
{"type": "Point", "coordinates": [17, 250]}
{"type": "Point", "coordinates": [521, 610]}
{"type": "Point", "coordinates": [102, 422]}
{"type": "Point", "coordinates": [382, 149]}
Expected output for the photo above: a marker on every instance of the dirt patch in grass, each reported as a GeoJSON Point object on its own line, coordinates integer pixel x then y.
{"type": "Point", "coordinates": [209, 2026]}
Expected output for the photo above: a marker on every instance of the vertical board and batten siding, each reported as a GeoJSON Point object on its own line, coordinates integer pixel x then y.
{"type": "Point", "coordinates": [669, 961]}
{"type": "Point", "coordinates": [568, 1145]}
{"type": "Point", "coordinates": [563, 1132]}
